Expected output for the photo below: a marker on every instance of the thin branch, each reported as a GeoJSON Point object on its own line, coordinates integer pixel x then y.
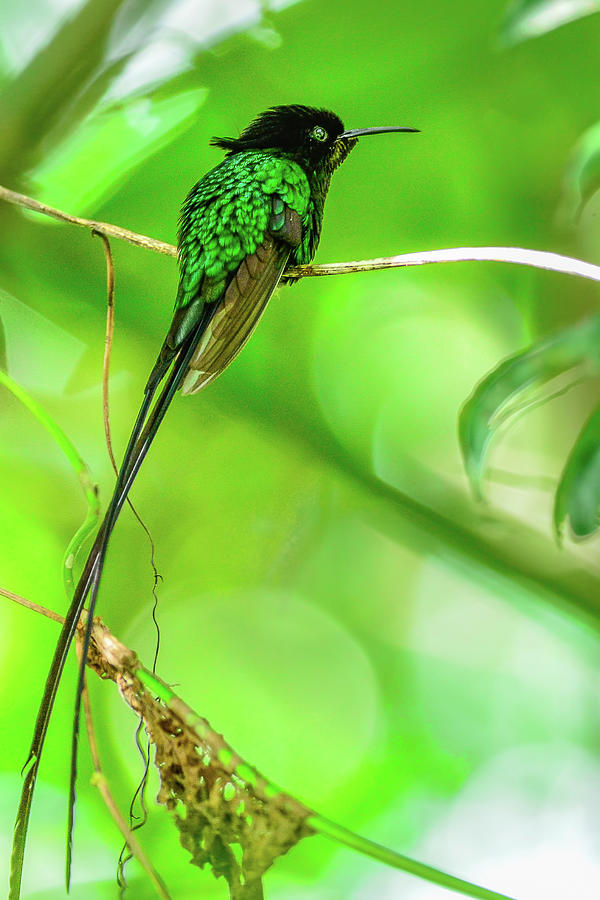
{"type": "Point", "coordinates": [108, 342]}
{"type": "Point", "coordinates": [29, 604]}
{"type": "Point", "coordinates": [99, 781]}
{"type": "Point", "coordinates": [538, 259]}
{"type": "Point", "coordinates": [110, 328]}
{"type": "Point", "coordinates": [123, 234]}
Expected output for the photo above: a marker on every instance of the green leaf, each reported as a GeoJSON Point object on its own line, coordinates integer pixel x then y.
{"type": "Point", "coordinates": [96, 159]}
{"type": "Point", "coordinates": [527, 19]}
{"type": "Point", "coordinates": [582, 178]}
{"type": "Point", "coordinates": [33, 103]}
{"type": "Point", "coordinates": [578, 494]}
{"type": "Point", "coordinates": [508, 389]}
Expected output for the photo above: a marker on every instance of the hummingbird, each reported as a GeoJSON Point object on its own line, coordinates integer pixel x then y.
{"type": "Point", "coordinates": [256, 212]}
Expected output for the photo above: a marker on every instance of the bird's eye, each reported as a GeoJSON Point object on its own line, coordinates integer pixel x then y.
{"type": "Point", "coordinates": [318, 133]}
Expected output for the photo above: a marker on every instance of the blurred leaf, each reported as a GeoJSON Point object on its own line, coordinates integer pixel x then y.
{"type": "Point", "coordinates": [501, 394]}
{"type": "Point", "coordinates": [85, 102]}
{"type": "Point", "coordinates": [39, 353]}
{"type": "Point", "coordinates": [154, 45]}
{"type": "Point", "coordinates": [83, 133]}
{"type": "Point", "coordinates": [582, 178]}
{"type": "Point", "coordinates": [79, 467]}
{"type": "Point", "coordinates": [527, 19]}
{"type": "Point", "coordinates": [578, 494]}
{"type": "Point", "coordinates": [3, 357]}
{"type": "Point", "coordinates": [33, 102]}
{"type": "Point", "coordinates": [106, 148]}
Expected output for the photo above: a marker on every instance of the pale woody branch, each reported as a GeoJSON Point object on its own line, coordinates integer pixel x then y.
{"type": "Point", "coordinates": [539, 259]}
{"type": "Point", "coordinates": [123, 234]}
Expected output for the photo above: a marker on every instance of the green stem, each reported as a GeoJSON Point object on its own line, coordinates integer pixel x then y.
{"type": "Point", "coordinates": [397, 861]}
{"type": "Point", "coordinates": [80, 468]}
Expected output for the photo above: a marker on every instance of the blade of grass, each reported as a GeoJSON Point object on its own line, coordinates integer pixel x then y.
{"type": "Point", "coordinates": [397, 861]}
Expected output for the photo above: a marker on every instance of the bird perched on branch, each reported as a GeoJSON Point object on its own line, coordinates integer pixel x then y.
{"type": "Point", "coordinates": [257, 211]}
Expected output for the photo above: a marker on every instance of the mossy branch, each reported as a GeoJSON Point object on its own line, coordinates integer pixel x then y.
{"type": "Point", "coordinates": [225, 800]}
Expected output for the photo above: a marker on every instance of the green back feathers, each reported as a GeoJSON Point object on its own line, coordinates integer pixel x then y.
{"type": "Point", "coordinates": [226, 215]}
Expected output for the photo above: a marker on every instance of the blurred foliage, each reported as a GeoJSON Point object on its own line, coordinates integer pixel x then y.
{"type": "Point", "coordinates": [406, 661]}
{"type": "Point", "coordinates": [526, 19]}
{"type": "Point", "coordinates": [578, 493]}
{"type": "Point", "coordinates": [582, 177]}
{"type": "Point", "coordinates": [513, 388]}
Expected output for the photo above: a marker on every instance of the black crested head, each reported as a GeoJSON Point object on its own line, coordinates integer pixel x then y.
{"type": "Point", "coordinates": [316, 138]}
{"type": "Point", "coordinates": [309, 134]}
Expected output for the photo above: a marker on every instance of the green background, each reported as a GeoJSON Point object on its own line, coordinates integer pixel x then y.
{"type": "Point", "coordinates": [415, 666]}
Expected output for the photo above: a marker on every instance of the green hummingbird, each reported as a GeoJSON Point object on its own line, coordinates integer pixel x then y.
{"type": "Point", "coordinates": [259, 210]}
